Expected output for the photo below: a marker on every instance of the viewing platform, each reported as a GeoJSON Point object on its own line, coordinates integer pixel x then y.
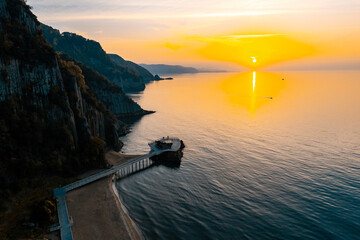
{"type": "Point", "coordinates": [167, 149]}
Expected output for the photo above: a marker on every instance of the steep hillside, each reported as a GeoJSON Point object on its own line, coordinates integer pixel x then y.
{"type": "Point", "coordinates": [51, 124]}
{"type": "Point", "coordinates": [90, 53]}
{"type": "Point", "coordinates": [109, 94]}
{"type": "Point", "coordinates": [145, 74]}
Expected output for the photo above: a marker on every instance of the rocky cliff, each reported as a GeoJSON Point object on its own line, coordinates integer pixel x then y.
{"type": "Point", "coordinates": [90, 53]}
{"type": "Point", "coordinates": [49, 116]}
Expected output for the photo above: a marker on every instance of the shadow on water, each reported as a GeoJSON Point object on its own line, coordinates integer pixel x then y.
{"type": "Point", "coordinates": [172, 165]}
{"type": "Point", "coordinates": [131, 120]}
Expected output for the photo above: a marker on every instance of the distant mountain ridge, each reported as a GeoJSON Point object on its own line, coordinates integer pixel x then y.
{"type": "Point", "coordinates": [168, 69]}
{"type": "Point", "coordinates": [144, 73]}
{"type": "Point", "coordinates": [90, 53]}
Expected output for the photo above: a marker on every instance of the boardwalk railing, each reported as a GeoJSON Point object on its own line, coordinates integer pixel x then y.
{"type": "Point", "coordinates": [135, 167]}
{"type": "Point", "coordinates": [130, 167]}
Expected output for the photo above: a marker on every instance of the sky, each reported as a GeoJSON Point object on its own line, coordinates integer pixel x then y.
{"type": "Point", "coordinates": [216, 34]}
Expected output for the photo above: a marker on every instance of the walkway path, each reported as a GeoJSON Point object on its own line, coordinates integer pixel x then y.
{"type": "Point", "coordinates": [131, 166]}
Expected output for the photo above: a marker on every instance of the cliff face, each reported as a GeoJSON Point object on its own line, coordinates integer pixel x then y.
{"type": "Point", "coordinates": [49, 118]}
{"type": "Point", "coordinates": [90, 53]}
{"type": "Point", "coordinates": [145, 74]}
{"type": "Point", "coordinates": [109, 94]}
{"type": "Point", "coordinates": [91, 117]}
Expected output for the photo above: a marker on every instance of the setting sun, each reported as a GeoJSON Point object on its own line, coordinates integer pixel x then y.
{"type": "Point", "coordinates": [238, 48]}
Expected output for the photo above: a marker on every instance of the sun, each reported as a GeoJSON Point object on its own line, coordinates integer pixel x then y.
{"type": "Point", "coordinates": [254, 59]}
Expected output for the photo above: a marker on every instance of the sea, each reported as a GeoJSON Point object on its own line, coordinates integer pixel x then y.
{"type": "Point", "coordinates": [269, 155]}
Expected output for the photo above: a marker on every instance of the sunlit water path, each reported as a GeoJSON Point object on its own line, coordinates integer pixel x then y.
{"type": "Point", "coordinates": [265, 158]}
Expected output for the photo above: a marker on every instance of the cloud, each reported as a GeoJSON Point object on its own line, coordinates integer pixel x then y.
{"type": "Point", "coordinates": [235, 14]}
{"type": "Point", "coordinates": [143, 16]}
{"type": "Point", "coordinates": [234, 38]}
{"type": "Point", "coordinates": [172, 46]}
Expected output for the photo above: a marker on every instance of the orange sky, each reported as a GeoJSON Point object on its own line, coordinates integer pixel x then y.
{"type": "Point", "coordinates": [213, 33]}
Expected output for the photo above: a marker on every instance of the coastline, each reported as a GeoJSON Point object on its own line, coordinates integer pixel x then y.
{"type": "Point", "coordinates": [132, 228]}
{"type": "Point", "coordinates": [97, 209]}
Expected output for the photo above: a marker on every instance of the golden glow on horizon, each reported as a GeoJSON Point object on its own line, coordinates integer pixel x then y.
{"type": "Point", "coordinates": [250, 50]}
{"type": "Point", "coordinates": [271, 48]}
{"type": "Point", "coordinates": [235, 50]}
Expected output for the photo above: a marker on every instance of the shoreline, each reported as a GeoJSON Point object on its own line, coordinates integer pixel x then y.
{"type": "Point", "coordinates": [98, 211]}
{"type": "Point", "coordinates": [132, 227]}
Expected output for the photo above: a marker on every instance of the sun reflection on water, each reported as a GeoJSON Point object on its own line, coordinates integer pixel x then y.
{"type": "Point", "coordinates": [252, 90]}
{"type": "Point", "coordinates": [254, 81]}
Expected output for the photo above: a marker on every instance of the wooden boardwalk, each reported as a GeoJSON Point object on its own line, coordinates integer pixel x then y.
{"type": "Point", "coordinates": [130, 167]}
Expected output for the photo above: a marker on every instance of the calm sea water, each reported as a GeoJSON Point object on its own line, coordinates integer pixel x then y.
{"type": "Point", "coordinates": [265, 158]}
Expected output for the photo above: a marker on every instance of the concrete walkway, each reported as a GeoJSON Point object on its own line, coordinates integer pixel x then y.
{"type": "Point", "coordinates": [60, 193]}
{"type": "Point", "coordinates": [63, 215]}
